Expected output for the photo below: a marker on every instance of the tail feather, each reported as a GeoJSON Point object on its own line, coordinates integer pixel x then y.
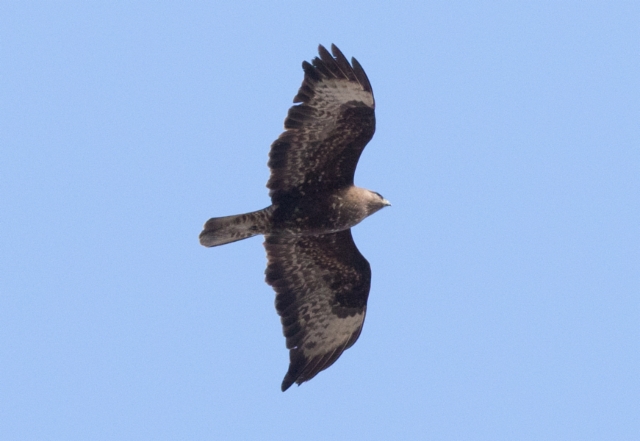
{"type": "Point", "coordinates": [227, 229]}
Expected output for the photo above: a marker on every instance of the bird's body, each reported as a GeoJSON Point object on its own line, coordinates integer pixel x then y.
{"type": "Point", "coordinates": [321, 280]}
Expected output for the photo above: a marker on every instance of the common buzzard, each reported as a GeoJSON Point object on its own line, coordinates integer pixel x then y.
{"type": "Point", "coordinates": [320, 278]}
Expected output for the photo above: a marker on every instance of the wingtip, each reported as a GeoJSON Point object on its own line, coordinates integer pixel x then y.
{"type": "Point", "coordinates": [337, 53]}
{"type": "Point", "coordinates": [286, 383]}
{"type": "Point", "coordinates": [321, 49]}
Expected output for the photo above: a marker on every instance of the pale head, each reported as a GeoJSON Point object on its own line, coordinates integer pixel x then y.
{"type": "Point", "coordinates": [376, 202]}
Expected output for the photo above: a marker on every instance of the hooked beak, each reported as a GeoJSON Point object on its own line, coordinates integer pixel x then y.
{"type": "Point", "coordinates": [386, 202]}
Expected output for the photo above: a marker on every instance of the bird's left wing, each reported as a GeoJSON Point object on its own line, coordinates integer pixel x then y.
{"type": "Point", "coordinates": [322, 285]}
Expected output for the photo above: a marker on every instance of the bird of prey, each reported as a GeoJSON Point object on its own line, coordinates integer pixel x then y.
{"type": "Point", "coordinates": [320, 278]}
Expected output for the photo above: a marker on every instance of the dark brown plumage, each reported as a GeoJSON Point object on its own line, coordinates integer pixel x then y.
{"type": "Point", "coordinates": [320, 278]}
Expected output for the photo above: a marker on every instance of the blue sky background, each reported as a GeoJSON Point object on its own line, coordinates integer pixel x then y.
{"type": "Point", "coordinates": [506, 284]}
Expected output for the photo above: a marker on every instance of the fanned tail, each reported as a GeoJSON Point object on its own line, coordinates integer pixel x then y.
{"type": "Point", "coordinates": [227, 229]}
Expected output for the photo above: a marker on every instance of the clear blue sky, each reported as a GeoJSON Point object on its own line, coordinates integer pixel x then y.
{"type": "Point", "coordinates": [505, 301]}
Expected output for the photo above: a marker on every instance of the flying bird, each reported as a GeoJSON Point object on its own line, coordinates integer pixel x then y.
{"type": "Point", "coordinates": [320, 278]}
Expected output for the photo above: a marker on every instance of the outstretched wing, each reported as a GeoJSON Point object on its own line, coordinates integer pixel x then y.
{"type": "Point", "coordinates": [325, 134]}
{"type": "Point", "coordinates": [322, 285]}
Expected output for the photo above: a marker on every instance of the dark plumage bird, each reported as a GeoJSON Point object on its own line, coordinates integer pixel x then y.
{"type": "Point", "coordinates": [320, 278]}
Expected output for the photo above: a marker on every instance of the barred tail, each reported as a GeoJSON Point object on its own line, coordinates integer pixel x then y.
{"type": "Point", "coordinates": [222, 230]}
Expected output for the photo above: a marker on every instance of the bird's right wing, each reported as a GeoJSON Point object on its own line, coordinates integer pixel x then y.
{"type": "Point", "coordinates": [326, 133]}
